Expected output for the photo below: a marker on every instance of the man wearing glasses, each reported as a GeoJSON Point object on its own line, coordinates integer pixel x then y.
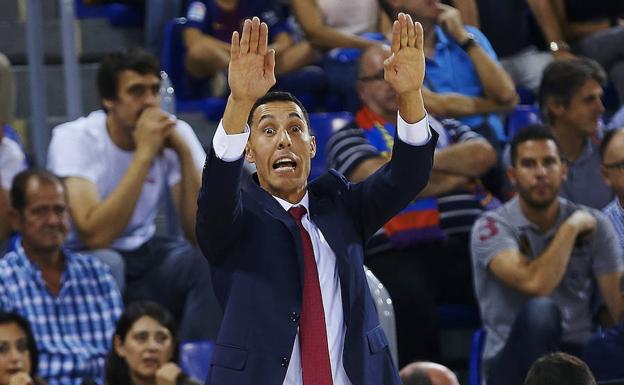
{"type": "Point", "coordinates": [422, 254]}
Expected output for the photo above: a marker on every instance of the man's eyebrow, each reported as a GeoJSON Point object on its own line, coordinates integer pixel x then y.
{"type": "Point", "coordinates": [295, 115]}
{"type": "Point", "coordinates": [267, 116]}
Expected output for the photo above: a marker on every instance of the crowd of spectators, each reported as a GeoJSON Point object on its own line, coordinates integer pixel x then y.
{"type": "Point", "coordinates": [529, 228]}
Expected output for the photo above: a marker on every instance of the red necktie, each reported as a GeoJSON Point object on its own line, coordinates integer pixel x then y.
{"type": "Point", "coordinates": [315, 362]}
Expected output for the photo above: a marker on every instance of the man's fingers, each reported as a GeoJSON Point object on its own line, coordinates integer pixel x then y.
{"type": "Point", "coordinates": [419, 38]}
{"type": "Point", "coordinates": [264, 39]}
{"type": "Point", "coordinates": [255, 35]}
{"type": "Point", "coordinates": [269, 63]}
{"type": "Point", "coordinates": [396, 37]}
{"type": "Point", "coordinates": [403, 21]}
{"type": "Point", "coordinates": [235, 46]}
{"type": "Point", "coordinates": [244, 45]}
{"type": "Point", "coordinates": [411, 34]}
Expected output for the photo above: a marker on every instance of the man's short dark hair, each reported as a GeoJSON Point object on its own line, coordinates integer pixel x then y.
{"type": "Point", "coordinates": [20, 185]}
{"type": "Point", "coordinates": [563, 78]}
{"type": "Point", "coordinates": [114, 63]}
{"type": "Point", "coordinates": [606, 140]}
{"type": "Point", "coordinates": [559, 369]}
{"type": "Point", "coordinates": [532, 132]}
{"type": "Point", "coordinates": [279, 96]}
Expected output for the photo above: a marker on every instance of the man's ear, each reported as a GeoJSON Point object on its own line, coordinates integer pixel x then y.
{"type": "Point", "coordinates": [107, 103]}
{"type": "Point", "coordinates": [312, 146]}
{"type": "Point", "coordinates": [511, 175]}
{"type": "Point", "coordinates": [605, 177]}
{"type": "Point", "coordinates": [249, 157]}
{"type": "Point", "coordinates": [556, 108]}
{"type": "Point", "coordinates": [15, 220]}
{"type": "Point", "coordinates": [564, 170]}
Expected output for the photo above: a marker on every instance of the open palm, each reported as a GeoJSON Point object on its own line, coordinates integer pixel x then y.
{"type": "Point", "coordinates": [252, 64]}
{"type": "Point", "coordinates": [405, 68]}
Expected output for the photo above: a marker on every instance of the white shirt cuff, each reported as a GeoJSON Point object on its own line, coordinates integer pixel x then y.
{"type": "Point", "coordinates": [415, 134]}
{"type": "Point", "coordinates": [229, 147]}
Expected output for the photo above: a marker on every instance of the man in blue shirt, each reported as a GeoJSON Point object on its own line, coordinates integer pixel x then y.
{"type": "Point", "coordinates": [605, 351]}
{"type": "Point", "coordinates": [464, 79]}
{"type": "Point", "coordinates": [71, 301]}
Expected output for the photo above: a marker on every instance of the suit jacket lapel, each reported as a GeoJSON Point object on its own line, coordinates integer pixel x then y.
{"type": "Point", "coordinates": [275, 210]}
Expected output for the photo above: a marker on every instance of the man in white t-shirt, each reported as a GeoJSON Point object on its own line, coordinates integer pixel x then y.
{"type": "Point", "coordinates": [12, 161]}
{"type": "Point", "coordinates": [116, 164]}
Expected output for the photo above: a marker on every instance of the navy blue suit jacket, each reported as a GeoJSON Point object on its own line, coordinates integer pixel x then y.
{"type": "Point", "coordinates": [254, 249]}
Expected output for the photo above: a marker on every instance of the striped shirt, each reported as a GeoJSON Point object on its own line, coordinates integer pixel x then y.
{"type": "Point", "coordinates": [615, 213]}
{"type": "Point", "coordinates": [73, 330]}
{"type": "Point", "coordinates": [352, 145]}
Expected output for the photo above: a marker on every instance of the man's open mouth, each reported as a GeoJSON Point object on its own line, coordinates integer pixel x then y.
{"type": "Point", "coordinates": [285, 164]}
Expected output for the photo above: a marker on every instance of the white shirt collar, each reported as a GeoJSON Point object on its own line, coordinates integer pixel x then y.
{"type": "Point", "coordinates": [305, 202]}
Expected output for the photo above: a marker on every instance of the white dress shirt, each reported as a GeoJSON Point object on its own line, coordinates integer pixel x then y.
{"type": "Point", "coordinates": [230, 148]}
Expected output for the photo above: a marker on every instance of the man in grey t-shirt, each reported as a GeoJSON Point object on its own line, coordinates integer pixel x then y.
{"type": "Point", "coordinates": [535, 261]}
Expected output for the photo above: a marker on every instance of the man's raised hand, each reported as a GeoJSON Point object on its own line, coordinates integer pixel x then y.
{"type": "Point", "coordinates": [252, 64]}
{"type": "Point", "coordinates": [405, 68]}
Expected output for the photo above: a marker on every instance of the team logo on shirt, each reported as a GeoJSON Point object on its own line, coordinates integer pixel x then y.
{"type": "Point", "coordinates": [488, 229]}
{"type": "Point", "coordinates": [196, 11]}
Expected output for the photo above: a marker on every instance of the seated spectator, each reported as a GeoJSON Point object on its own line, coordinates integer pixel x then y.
{"type": "Point", "coordinates": [18, 351]}
{"type": "Point", "coordinates": [330, 24]}
{"type": "Point", "coordinates": [536, 262]}
{"type": "Point", "coordinates": [587, 28]}
{"type": "Point", "coordinates": [507, 25]}
{"type": "Point", "coordinates": [427, 373]}
{"type": "Point", "coordinates": [71, 300]}
{"type": "Point", "coordinates": [612, 167]}
{"type": "Point", "coordinates": [12, 159]}
{"type": "Point", "coordinates": [429, 262]}
{"type": "Point", "coordinates": [464, 79]}
{"type": "Point", "coordinates": [605, 351]}
{"type": "Point", "coordinates": [338, 24]}
{"type": "Point", "coordinates": [145, 346]}
{"type": "Point", "coordinates": [570, 102]}
{"type": "Point", "coordinates": [559, 369]}
{"type": "Point", "coordinates": [209, 32]}
{"type": "Point", "coordinates": [117, 164]}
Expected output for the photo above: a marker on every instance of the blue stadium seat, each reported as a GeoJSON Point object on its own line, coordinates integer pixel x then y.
{"type": "Point", "coordinates": [189, 92]}
{"type": "Point", "coordinates": [458, 316]}
{"type": "Point", "coordinates": [324, 124]}
{"type": "Point", "coordinates": [476, 352]}
{"type": "Point", "coordinates": [526, 95]}
{"type": "Point", "coordinates": [10, 133]}
{"type": "Point", "coordinates": [195, 358]}
{"type": "Point", "coordinates": [522, 116]}
{"type": "Point", "coordinates": [118, 14]}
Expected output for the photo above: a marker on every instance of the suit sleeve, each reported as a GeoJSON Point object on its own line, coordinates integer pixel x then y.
{"type": "Point", "coordinates": [219, 205]}
{"type": "Point", "coordinates": [391, 188]}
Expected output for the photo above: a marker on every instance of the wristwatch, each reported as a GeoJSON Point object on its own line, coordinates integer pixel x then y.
{"type": "Point", "coordinates": [559, 45]}
{"type": "Point", "coordinates": [469, 42]}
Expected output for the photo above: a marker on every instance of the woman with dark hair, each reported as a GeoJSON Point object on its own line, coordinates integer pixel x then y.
{"type": "Point", "coordinates": [144, 348]}
{"type": "Point", "coordinates": [18, 351]}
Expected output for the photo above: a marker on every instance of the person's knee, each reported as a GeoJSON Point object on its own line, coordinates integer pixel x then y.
{"type": "Point", "coordinates": [541, 317]}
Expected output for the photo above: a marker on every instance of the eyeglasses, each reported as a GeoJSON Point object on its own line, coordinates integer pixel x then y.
{"type": "Point", "coordinates": [378, 76]}
{"type": "Point", "coordinates": [619, 166]}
